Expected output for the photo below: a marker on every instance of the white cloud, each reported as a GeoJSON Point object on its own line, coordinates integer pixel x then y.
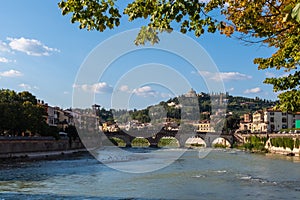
{"type": "Point", "coordinates": [231, 89]}
{"type": "Point", "coordinates": [11, 73]}
{"type": "Point", "coordinates": [4, 47]}
{"type": "Point", "coordinates": [145, 91]}
{"type": "Point", "coordinates": [25, 86]}
{"type": "Point", "coordinates": [31, 47]}
{"type": "Point", "coordinates": [225, 76]}
{"type": "Point", "coordinates": [286, 74]}
{"type": "Point", "coordinates": [166, 95]}
{"type": "Point", "coordinates": [229, 76]}
{"type": "Point", "coordinates": [206, 73]}
{"type": "Point", "coordinates": [253, 90]}
{"type": "Point", "coordinates": [101, 87]}
{"type": "Point", "coordinates": [269, 74]}
{"type": "Point", "coordinates": [4, 60]}
{"type": "Point", "coordinates": [124, 88]}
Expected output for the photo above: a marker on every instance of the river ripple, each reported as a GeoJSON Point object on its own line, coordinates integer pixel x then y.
{"type": "Point", "coordinates": [222, 174]}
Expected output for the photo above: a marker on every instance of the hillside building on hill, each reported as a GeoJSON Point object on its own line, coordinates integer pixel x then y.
{"type": "Point", "coordinates": [191, 93]}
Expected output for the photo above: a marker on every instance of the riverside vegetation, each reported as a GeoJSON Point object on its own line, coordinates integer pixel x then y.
{"type": "Point", "coordinates": [22, 115]}
{"type": "Point", "coordinates": [285, 142]}
{"type": "Point", "coordinates": [257, 144]}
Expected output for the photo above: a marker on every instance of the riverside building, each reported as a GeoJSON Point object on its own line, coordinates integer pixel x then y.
{"type": "Point", "coordinates": [269, 120]}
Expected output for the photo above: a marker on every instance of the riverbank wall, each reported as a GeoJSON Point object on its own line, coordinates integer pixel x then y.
{"type": "Point", "coordinates": [283, 151]}
{"type": "Point", "coordinates": [278, 149]}
{"type": "Point", "coordinates": [23, 146]}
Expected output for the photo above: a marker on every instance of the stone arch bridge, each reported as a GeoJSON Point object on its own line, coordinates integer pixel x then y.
{"type": "Point", "coordinates": [153, 138]}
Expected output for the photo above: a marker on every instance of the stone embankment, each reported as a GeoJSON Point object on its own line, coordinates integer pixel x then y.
{"type": "Point", "coordinates": [286, 144]}
{"type": "Point", "coordinates": [11, 147]}
{"type": "Point", "coordinates": [294, 150]}
{"type": "Point", "coordinates": [284, 151]}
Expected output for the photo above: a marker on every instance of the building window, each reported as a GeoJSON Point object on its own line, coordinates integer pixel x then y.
{"type": "Point", "coordinates": [284, 120]}
{"type": "Point", "coordinates": [283, 114]}
{"type": "Point", "coordinates": [284, 126]}
{"type": "Point", "coordinates": [271, 113]}
{"type": "Point", "coordinates": [272, 119]}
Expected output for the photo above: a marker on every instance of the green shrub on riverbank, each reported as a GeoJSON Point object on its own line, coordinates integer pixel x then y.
{"type": "Point", "coordinates": [119, 142]}
{"type": "Point", "coordinates": [140, 142]}
{"type": "Point", "coordinates": [218, 145]}
{"type": "Point", "coordinates": [168, 142]}
{"type": "Point", "coordinates": [297, 143]}
{"type": "Point", "coordinates": [114, 141]}
{"type": "Point", "coordinates": [197, 145]}
{"type": "Point", "coordinates": [255, 143]}
{"type": "Point", "coordinates": [285, 142]}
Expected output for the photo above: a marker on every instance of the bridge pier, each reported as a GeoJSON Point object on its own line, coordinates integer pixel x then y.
{"type": "Point", "coordinates": [128, 141]}
{"type": "Point", "coordinates": [128, 145]}
{"type": "Point", "coordinates": [153, 142]}
{"type": "Point", "coordinates": [208, 142]}
{"type": "Point", "coordinates": [153, 145]}
{"type": "Point", "coordinates": [181, 144]}
{"type": "Point", "coordinates": [183, 138]}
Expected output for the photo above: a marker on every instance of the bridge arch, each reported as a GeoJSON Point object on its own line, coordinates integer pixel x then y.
{"type": "Point", "coordinates": [182, 138]}
{"type": "Point", "coordinates": [114, 141]}
{"type": "Point", "coordinates": [221, 142]}
{"type": "Point", "coordinates": [117, 137]}
{"type": "Point", "coordinates": [195, 142]}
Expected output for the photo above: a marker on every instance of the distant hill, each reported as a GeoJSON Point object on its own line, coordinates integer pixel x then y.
{"type": "Point", "coordinates": [236, 105]}
{"type": "Point", "coordinates": [241, 105]}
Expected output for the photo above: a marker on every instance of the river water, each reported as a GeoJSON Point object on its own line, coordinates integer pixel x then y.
{"type": "Point", "coordinates": [221, 174]}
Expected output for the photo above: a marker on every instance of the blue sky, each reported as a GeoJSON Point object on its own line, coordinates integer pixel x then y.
{"type": "Point", "coordinates": [42, 52]}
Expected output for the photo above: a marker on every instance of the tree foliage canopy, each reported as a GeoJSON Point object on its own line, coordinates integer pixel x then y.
{"type": "Point", "coordinates": [20, 113]}
{"type": "Point", "coordinates": [275, 23]}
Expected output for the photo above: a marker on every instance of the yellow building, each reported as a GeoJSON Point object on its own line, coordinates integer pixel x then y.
{"type": "Point", "coordinates": [204, 127]}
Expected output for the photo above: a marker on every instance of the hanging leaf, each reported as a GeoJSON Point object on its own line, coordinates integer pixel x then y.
{"type": "Point", "coordinates": [296, 12]}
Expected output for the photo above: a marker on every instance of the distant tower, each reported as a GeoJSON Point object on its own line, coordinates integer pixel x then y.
{"type": "Point", "coordinates": [96, 109]}
{"type": "Point", "coordinates": [221, 98]}
{"type": "Point", "coordinates": [191, 93]}
{"type": "Point", "coordinates": [96, 106]}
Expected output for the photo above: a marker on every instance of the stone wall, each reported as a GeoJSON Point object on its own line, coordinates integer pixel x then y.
{"type": "Point", "coordinates": [14, 145]}
{"type": "Point", "coordinates": [281, 150]}
{"type": "Point", "coordinates": [284, 151]}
